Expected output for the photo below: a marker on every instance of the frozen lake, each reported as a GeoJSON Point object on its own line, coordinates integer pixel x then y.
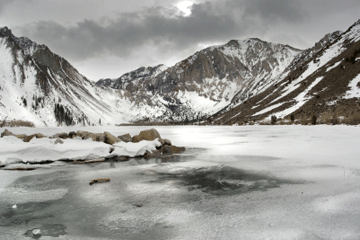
{"type": "Point", "coordinates": [246, 182]}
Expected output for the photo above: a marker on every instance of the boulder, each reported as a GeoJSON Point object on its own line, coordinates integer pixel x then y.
{"type": "Point", "coordinates": [62, 135]}
{"type": "Point", "coordinates": [72, 134]}
{"type": "Point", "coordinates": [100, 137]}
{"type": "Point", "coordinates": [21, 136]}
{"type": "Point", "coordinates": [166, 142]}
{"type": "Point", "coordinates": [110, 139]}
{"type": "Point", "coordinates": [125, 138]}
{"type": "Point", "coordinates": [172, 149]}
{"type": "Point", "coordinates": [39, 135]}
{"type": "Point", "coordinates": [6, 133]}
{"type": "Point", "coordinates": [59, 141]}
{"type": "Point", "coordinates": [28, 138]}
{"type": "Point", "coordinates": [152, 154]}
{"type": "Point", "coordinates": [148, 135]}
{"type": "Point", "coordinates": [84, 134]}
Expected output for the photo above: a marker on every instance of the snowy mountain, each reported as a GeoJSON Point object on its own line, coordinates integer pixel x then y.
{"type": "Point", "coordinates": [241, 81]}
{"type": "Point", "coordinates": [41, 87]}
{"type": "Point", "coordinates": [207, 81]}
{"type": "Point", "coordinates": [323, 82]}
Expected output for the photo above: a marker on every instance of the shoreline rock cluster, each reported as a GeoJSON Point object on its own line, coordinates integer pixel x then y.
{"type": "Point", "coordinates": [164, 150]}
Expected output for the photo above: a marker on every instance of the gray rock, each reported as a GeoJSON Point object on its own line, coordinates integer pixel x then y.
{"type": "Point", "coordinates": [148, 135]}
{"type": "Point", "coordinates": [110, 139]}
{"type": "Point", "coordinates": [59, 141]}
{"type": "Point", "coordinates": [125, 138]}
{"type": "Point", "coordinates": [6, 133]}
{"type": "Point", "coordinates": [72, 134]}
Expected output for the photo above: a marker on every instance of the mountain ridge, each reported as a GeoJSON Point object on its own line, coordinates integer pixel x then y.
{"type": "Point", "coordinates": [234, 83]}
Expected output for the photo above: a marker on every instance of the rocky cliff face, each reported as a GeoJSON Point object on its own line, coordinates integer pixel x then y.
{"type": "Point", "coordinates": [208, 80]}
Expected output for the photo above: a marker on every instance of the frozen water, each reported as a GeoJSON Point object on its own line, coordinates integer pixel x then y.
{"type": "Point", "coordinates": [246, 182]}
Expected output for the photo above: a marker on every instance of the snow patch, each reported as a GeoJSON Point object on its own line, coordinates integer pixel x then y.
{"type": "Point", "coordinates": [300, 100]}
{"type": "Point", "coordinates": [354, 91]}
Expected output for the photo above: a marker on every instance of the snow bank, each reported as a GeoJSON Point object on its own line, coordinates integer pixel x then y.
{"type": "Point", "coordinates": [14, 150]}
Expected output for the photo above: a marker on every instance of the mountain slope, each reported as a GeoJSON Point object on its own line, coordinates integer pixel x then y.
{"type": "Point", "coordinates": [324, 85]}
{"type": "Point", "coordinates": [41, 87]}
{"type": "Point", "coordinates": [207, 81]}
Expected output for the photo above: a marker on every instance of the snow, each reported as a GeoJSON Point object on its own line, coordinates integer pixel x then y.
{"type": "Point", "coordinates": [354, 91]}
{"type": "Point", "coordinates": [319, 199]}
{"type": "Point", "coordinates": [300, 100]}
{"type": "Point", "coordinates": [268, 109]}
{"type": "Point", "coordinates": [333, 66]}
{"type": "Point", "coordinates": [14, 150]}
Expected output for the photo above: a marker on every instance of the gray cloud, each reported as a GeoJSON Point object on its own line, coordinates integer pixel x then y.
{"type": "Point", "coordinates": [209, 22]}
{"type": "Point", "coordinates": [152, 35]}
{"type": "Point", "coordinates": [3, 3]}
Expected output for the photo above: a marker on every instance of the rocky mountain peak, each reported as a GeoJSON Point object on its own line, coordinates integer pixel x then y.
{"type": "Point", "coordinates": [5, 32]}
{"type": "Point", "coordinates": [327, 39]}
{"type": "Point", "coordinates": [233, 43]}
{"type": "Point", "coordinates": [22, 43]}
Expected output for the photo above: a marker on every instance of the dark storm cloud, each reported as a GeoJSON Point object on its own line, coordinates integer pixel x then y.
{"type": "Point", "coordinates": [169, 32]}
{"type": "Point", "coordinates": [163, 28]}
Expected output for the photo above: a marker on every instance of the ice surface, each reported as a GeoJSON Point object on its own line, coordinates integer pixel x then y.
{"type": "Point", "coordinates": [299, 182]}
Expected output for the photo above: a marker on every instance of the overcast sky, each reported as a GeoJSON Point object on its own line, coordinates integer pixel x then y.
{"type": "Point", "coordinates": [110, 37]}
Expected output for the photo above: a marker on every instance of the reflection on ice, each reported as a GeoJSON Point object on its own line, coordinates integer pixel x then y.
{"type": "Point", "coordinates": [223, 180]}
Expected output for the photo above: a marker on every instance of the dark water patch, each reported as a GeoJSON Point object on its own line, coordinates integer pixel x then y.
{"type": "Point", "coordinates": [223, 180]}
{"type": "Point", "coordinates": [24, 213]}
{"type": "Point", "coordinates": [51, 230]}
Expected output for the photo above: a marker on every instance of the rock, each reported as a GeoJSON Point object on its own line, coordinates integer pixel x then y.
{"type": "Point", "coordinates": [84, 134]}
{"type": "Point", "coordinates": [39, 135]}
{"type": "Point", "coordinates": [148, 135]}
{"type": "Point", "coordinates": [152, 154]}
{"type": "Point", "coordinates": [111, 149]}
{"type": "Point", "coordinates": [166, 142]}
{"type": "Point", "coordinates": [172, 149]}
{"type": "Point", "coordinates": [93, 136]}
{"type": "Point", "coordinates": [100, 138]}
{"type": "Point", "coordinates": [6, 133]}
{"type": "Point", "coordinates": [28, 138]}
{"type": "Point", "coordinates": [72, 134]}
{"type": "Point", "coordinates": [62, 135]}
{"type": "Point", "coordinates": [99, 180]}
{"type": "Point", "coordinates": [110, 139]}
{"type": "Point", "coordinates": [89, 161]}
{"type": "Point", "coordinates": [59, 141]}
{"type": "Point", "coordinates": [21, 136]}
{"type": "Point", "coordinates": [125, 138]}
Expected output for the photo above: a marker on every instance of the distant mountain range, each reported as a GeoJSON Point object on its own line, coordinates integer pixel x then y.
{"type": "Point", "coordinates": [240, 82]}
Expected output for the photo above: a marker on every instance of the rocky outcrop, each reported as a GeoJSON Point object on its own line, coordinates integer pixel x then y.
{"type": "Point", "coordinates": [28, 138]}
{"type": "Point", "coordinates": [162, 151]}
{"type": "Point", "coordinates": [24, 137]}
{"type": "Point", "coordinates": [110, 139]}
{"type": "Point", "coordinates": [172, 149]}
{"type": "Point", "coordinates": [6, 133]}
{"type": "Point", "coordinates": [148, 135]}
